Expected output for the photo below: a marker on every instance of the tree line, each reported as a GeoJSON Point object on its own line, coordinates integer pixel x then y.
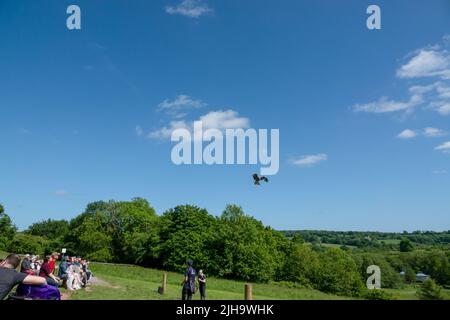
{"type": "Point", "coordinates": [233, 245]}
{"type": "Point", "coordinates": [372, 239]}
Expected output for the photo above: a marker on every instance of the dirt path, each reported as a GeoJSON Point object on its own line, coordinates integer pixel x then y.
{"type": "Point", "coordinates": [95, 281]}
{"type": "Point", "coordinates": [65, 296]}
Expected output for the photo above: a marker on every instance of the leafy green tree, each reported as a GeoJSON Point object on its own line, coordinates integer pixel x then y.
{"type": "Point", "coordinates": [251, 251]}
{"type": "Point", "coordinates": [337, 273]}
{"type": "Point", "coordinates": [7, 229]}
{"type": "Point", "coordinates": [114, 231]}
{"type": "Point", "coordinates": [436, 264]}
{"type": "Point", "coordinates": [300, 264]}
{"type": "Point", "coordinates": [232, 213]}
{"type": "Point", "coordinates": [187, 232]}
{"type": "Point", "coordinates": [406, 245]}
{"type": "Point", "coordinates": [410, 275]}
{"type": "Point", "coordinates": [390, 278]}
{"type": "Point", "coordinates": [132, 226]}
{"type": "Point", "coordinates": [91, 239]}
{"type": "Point", "coordinates": [23, 243]}
{"type": "Point", "coordinates": [429, 290]}
{"type": "Point", "coordinates": [51, 229]}
{"type": "Point", "coordinates": [297, 238]}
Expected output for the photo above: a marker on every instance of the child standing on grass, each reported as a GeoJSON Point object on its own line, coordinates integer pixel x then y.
{"type": "Point", "coordinates": [202, 284]}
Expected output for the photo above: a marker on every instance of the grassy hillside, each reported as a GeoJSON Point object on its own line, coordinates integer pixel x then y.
{"type": "Point", "coordinates": [123, 282]}
{"type": "Point", "coordinates": [132, 282]}
{"type": "Point", "coordinates": [118, 282]}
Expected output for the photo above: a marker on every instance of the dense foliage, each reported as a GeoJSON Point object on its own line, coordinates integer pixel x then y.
{"type": "Point", "coordinates": [429, 290]}
{"type": "Point", "coordinates": [237, 246]}
{"type": "Point", "coordinates": [113, 231]}
{"type": "Point", "coordinates": [385, 240]}
{"type": "Point", "coordinates": [7, 229]}
{"type": "Point", "coordinates": [51, 229]}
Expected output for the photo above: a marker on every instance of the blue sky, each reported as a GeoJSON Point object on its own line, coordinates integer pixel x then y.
{"type": "Point", "coordinates": [363, 114]}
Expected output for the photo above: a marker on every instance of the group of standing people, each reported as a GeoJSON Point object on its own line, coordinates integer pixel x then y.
{"type": "Point", "coordinates": [189, 284]}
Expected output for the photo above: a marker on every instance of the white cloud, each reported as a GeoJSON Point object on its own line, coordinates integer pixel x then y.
{"type": "Point", "coordinates": [428, 132]}
{"type": "Point", "coordinates": [432, 62]}
{"type": "Point", "coordinates": [421, 90]}
{"type": "Point", "coordinates": [383, 105]}
{"type": "Point", "coordinates": [221, 120]}
{"type": "Point", "coordinates": [166, 131]}
{"type": "Point", "coordinates": [440, 172]}
{"type": "Point", "coordinates": [181, 102]}
{"type": "Point", "coordinates": [442, 107]}
{"type": "Point", "coordinates": [443, 91]}
{"type": "Point", "coordinates": [407, 134]}
{"type": "Point", "coordinates": [427, 63]}
{"type": "Point", "coordinates": [189, 8]}
{"type": "Point", "coordinates": [228, 119]}
{"type": "Point", "coordinates": [443, 147]}
{"type": "Point", "coordinates": [309, 160]}
{"type": "Point", "coordinates": [139, 131]}
{"type": "Point", "coordinates": [433, 132]}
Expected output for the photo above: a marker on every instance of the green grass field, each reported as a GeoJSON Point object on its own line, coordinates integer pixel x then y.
{"type": "Point", "coordinates": [334, 245]}
{"type": "Point", "coordinates": [409, 293]}
{"type": "Point", "coordinates": [390, 241]}
{"type": "Point", "coordinates": [132, 282]}
{"type": "Point", "coordinates": [126, 282]}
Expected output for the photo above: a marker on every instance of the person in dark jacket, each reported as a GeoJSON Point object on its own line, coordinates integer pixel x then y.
{"type": "Point", "coordinates": [9, 277]}
{"type": "Point", "coordinates": [188, 282]}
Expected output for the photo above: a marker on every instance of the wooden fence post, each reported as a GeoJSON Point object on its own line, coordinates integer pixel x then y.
{"type": "Point", "coordinates": [162, 289]}
{"type": "Point", "coordinates": [248, 292]}
{"type": "Point", "coordinates": [164, 282]}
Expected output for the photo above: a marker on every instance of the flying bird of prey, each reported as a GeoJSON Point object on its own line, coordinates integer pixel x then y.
{"type": "Point", "coordinates": [257, 179]}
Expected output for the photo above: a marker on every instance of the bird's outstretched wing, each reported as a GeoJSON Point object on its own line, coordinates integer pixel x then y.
{"type": "Point", "coordinates": [264, 179]}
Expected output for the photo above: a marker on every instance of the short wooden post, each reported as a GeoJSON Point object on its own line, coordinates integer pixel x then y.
{"type": "Point", "coordinates": [248, 292]}
{"type": "Point", "coordinates": [164, 282]}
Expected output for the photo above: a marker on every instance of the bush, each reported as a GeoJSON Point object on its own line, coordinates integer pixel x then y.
{"type": "Point", "coordinates": [429, 290]}
{"type": "Point", "coordinates": [378, 294]}
{"type": "Point", "coordinates": [406, 245]}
